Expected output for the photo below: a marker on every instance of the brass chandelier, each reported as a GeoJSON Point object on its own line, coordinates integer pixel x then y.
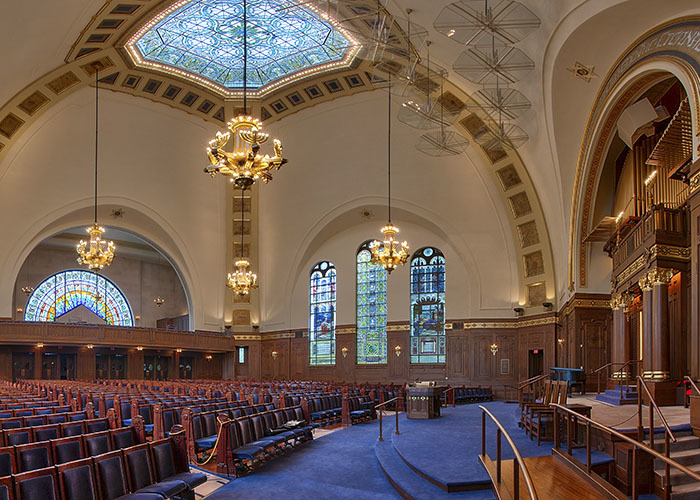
{"type": "Point", "coordinates": [244, 165]}
{"type": "Point", "coordinates": [96, 253]}
{"type": "Point", "coordinates": [242, 280]}
{"type": "Point", "coordinates": [389, 252]}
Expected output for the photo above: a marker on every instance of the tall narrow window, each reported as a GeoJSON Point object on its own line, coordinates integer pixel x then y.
{"type": "Point", "coordinates": [322, 314]}
{"type": "Point", "coordinates": [371, 309]}
{"type": "Point", "coordinates": [428, 306]}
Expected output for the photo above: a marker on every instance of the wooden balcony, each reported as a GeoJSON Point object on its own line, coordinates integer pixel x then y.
{"type": "Point", "coordinates": [117, 336]}
{"type": "Point", "coordinates": [661, 234]}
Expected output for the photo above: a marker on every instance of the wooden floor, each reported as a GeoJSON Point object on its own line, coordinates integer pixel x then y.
{"type": "Point", "coordinates": [551, 476]}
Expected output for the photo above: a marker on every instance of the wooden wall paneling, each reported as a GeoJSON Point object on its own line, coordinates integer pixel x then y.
{"type": "Point", "coordinates": [299, 358]}
{"type": "Point", "coordinates": [135, 364]}
{"type": "Point", "coordinates": [507, 343]}
{"type": "Point", "coordinates": [677, 325]}
{"type": "Point", "coordinates": [85, 369]}
{"type": "Point", "coordinates": [228, 365]}
{"type": "Point", "coordinates": [5, 364]}
{"type": "Point", "coordinates": [456, 363]}
{"type": "Point", "coordinates": [481, 356]}
{"type": "Point", "coordinates": [398, 366]}
{"type": "Point", "coordinates": [345, 366]}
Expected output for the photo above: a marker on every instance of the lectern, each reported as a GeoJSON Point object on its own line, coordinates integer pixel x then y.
{"type": "Point", "coordinates": [423, 402]}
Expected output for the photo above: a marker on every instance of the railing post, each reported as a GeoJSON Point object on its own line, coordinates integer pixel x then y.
{"type": "Point", "coordinates": [381, 411]}
{"type": "Point", "coordinates": [568, 434]}
{"type": "Point", "coordinates": [635, 493]}
{"type": "Point", "coordinates": [651, 424]}
{"type": "Point", "coordinates": [557, 423]}
{"type": "Point", "coordinates": [483, 433]}
{"type": "Point", "coordinates": [588, 446]}
{"type": "Point", "coordinates": [667, 468]}
{"type": "Point", "coordinates": [516, 479]}
{"type": "Point", "coordinates": [498, 456]}
{"type": "Point", "coordinates": [640, 426]}
{"type": "Point", "coordinates": [397, 420]}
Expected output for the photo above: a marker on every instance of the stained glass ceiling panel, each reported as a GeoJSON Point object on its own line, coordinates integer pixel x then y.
{"type": "Point", "coordinates": [203, 40]}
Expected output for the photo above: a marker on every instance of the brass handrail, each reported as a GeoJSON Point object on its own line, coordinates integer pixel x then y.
{"type": "Point", "coordinates": [380, 406]}
{"type": "Point", "coordinates": [531, 381]}
{"type": "Point", "coordinates": [636, 445]}
{"type": "Point", "coordinates": [652, 404]}
{"type": "Point", "coordinates": [612, 364]}
{"type": "Point", "coordinates": [521, 464]}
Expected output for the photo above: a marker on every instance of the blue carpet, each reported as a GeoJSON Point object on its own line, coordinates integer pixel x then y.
{"type": "Point", "coordinates": [341, 465]}
{"type": "Point", "coordinates": [447, 448]}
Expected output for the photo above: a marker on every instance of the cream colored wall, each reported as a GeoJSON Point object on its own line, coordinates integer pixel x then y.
{"type": "Point", "coordinates": [139, 280]}
{"type": "Point", "coordinates": [312, 211]}
{"type": "Point", "coordinates": [151, 160]}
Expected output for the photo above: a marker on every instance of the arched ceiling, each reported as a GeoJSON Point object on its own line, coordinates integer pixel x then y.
{"type": "Point", "coordinates": [51, 55]}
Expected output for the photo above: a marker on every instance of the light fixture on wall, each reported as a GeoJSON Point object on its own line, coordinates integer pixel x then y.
{"type": "Point", "coordinates": [178, 350]}
{"type": "Point", "coordinates": [547, 306]}
{"type": "Point", "coordinates": [90, 346]}
{"type": "Point", "coordinates": [274, 354]}
{"type": "Point", "coordinates": [96, 253]}
{"type": "Point", "coordinates": [519, 311]}
{"type": "Point", "coordinates": [560, 341]}
{"type": "Point", "coordinates": [158, 301]}
{"type": "Point", "coordinates": [139, 348]}
{"type": "Point", "coordinates": [27, 290]}
{"type": "Point", "coordinates": [19, 310]}
{"type": "Point", "coordinates": [208, 357]}
{"type": "Point", "coordinates": [344, 352]}
{"type": "Point", "coordinates": [242, 280]}
{"type": "Point", "coordinates": [494, 348]}
{"type": "Point", "coordinates": [397, 350]}
{"type": "Point", "coordinates": [244, 165]}
{"type": "Point", "coordinates": [39, 345]}
{"type": "Point", "coordinates": [390, 253]}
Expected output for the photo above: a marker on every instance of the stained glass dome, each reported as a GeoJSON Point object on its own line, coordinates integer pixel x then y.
{"type": "Point", "coordinates": [203, 40]}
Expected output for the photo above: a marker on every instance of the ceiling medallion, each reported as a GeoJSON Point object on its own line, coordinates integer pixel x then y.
{"type": "Point", "coordinates": [97, 253]}
{"type": "Point", "coordinates": [583, 72]}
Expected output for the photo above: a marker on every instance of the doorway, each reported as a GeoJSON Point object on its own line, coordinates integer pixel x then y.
{"type": "Point", "coordinates": [155, 367]}
{"type": "Point", "coordinates": [22, 365]}
{"type": "Point", "coordinates": [535, 362]}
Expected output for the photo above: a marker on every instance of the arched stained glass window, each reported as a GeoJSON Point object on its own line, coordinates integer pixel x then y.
{"type": "Point", "coordinates": [322, 314]}
{"type": "Point", "coordinates": [371, 309]}
{"type": "Point", "coordinates": [428, 306]}
{"type": "Point", "coordinates": [64, 291]}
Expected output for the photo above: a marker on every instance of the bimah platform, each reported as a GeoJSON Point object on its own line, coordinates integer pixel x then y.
{"type": "Point", "coordinates": [423, 402]}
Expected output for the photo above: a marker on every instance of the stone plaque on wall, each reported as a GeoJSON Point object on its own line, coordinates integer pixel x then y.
{"type": "Point", "coordinates": [520, 204]}
{"type": "Point", "coordinates": [237, 226]}
{"type": "Point", "coordinates": [536, 294]}
{"type": "Point", "coordinates": [528, 234]}
{"type": "Point", "coordinates": [534, 264]}
{"type": "Point", "coordinates": [241, 317]}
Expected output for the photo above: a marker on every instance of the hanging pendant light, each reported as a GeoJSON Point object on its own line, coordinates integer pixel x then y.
{"type": "Point", "coordinates": [244, 165]}
{"type": "Point", "coordinates": [96, 253]}
{"type": "Point", "coordinates": [389, 252]}
{"type": "Point", "coordinates": [242, 280]}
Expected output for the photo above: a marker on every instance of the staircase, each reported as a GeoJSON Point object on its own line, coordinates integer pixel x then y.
{"type": "Point", "coordinates": [612, 396]}
{"type": "Point", "coordinates": [686, 451]}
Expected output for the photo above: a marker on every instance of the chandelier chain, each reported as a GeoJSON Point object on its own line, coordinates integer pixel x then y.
{"type": "Point", "coordinates": [389, 151]}
{"type": "Point", "coordinates": [97, 130]}
{"type": "Point", "coordinates": [245, 57]}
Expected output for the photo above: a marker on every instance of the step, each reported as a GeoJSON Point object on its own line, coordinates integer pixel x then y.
{"type": "Point", "coordinates": [409, 484]}
{"type": "Point", "coordinates": [682, 443]}
{"type": "Point", "coordinates": [676, 477]}
{"type": "Point", "coordinates": [615, 400]}
{"type": "Point", "coordinates": [686, 491]}
{"type": "Point", "coordinates": [684, 457]}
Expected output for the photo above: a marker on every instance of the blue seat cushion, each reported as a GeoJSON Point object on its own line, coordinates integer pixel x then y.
{"type": "Point", "coordinates": [248, 451]}
{"type": "Point", "coordinates": [191, 479]}
{"type": "Point", "coordinates": [206, 443]}
{"type": "Point", "coordinates": [126, 422]}
{"type": "Point", "coordinates": [166, 488]}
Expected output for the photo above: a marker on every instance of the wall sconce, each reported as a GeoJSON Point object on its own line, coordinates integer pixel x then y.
{"type": "Point", "coordinates": [139, 348]}
{"type": "Point", "coordinates": [208, 357]}
{"type": "Point", "coordinates": [397, 350]}
{"type": "Point", "coordinates": [344, 351]}
{"type": "Point", "coordinates": [494, 348]}
{"type": "Point", "coordinates": [19, 310]}
{"type": "Point", "coordinates": [178, 350]}
{"type": "Point", "coordinates": [89, 346]}
{"type": "Point", "coordinates": [27, 290]}
{"type": "Point", "coordinates": [561, 341]}
{"type": "Point", "coordinates": [275, 354]}
{"type": "Point", "coordinates": [39, 345]}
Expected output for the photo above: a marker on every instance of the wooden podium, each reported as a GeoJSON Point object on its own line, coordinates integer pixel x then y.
{"type": "Point", "coordinates": [423, 402]}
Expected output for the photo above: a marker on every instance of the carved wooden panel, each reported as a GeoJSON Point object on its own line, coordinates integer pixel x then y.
{"type": "Point", "coordinates": [456, 363]}
{"type": "Point", "coordinates": [299, 358]}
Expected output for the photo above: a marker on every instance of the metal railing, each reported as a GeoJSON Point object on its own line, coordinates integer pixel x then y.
{"type": "Point", "coordinates": [518, 458]}
{"type": "Point", "coordinates": [380, 407]}
{"type": "Point", "coordinates": [573, 418]}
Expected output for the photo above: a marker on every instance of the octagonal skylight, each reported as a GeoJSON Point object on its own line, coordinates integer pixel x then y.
{"type": "Point", "coordinates": [203, 40]}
